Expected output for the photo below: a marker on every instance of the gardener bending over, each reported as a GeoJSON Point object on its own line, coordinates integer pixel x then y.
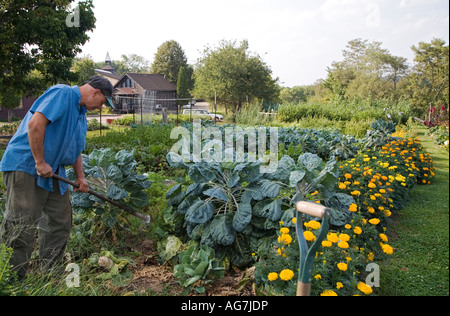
{"type": "Point", "coordinates": [51, 136]}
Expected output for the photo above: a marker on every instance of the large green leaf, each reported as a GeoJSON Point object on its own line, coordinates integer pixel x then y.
{"type": "Point", "coordinates": [270, 189]}
{"type": "Point", "coordinates": [82, 200]}
{"type": "Point", "coordinates": [310, 161]}
{"type": "Point", "coordinates": [222, 231]}
{"type": "Point", "coordinates": [218, 193]}
{"type": "Point", "coordinates": [270, 209]}
{"type": "Point", "coordinates": [116, 193]}
{"type": "Point", "coordinates": [200, 212]}
{"type": "Point", "coordinates": [124, 157]}
{"type": "Point", "coordinates": [139, 199]}
{"type": "Point", "coordinates": [296, 177]}
{"type": "Point", "coordinates": [243, 217]}
{"type": "Point", "coordinates": [113, 173]}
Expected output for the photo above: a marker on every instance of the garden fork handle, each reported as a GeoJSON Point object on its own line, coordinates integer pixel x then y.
{"type": "Point", "coordinates": [312, 209]}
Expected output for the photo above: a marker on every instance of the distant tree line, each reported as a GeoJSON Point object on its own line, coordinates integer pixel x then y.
{"type": "Point", "coordinates": [39, 48]}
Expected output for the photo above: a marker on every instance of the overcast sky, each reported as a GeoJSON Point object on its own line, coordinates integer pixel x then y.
{"type": "Point", "coordinates": [298, 39]}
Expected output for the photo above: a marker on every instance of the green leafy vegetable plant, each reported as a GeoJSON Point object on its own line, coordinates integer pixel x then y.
{"type": "Point", "coordinates": [113, 175]}
{"type": "Point", "coordinates": [198, 266]}
{"type": "Point", "coordinates": [234, 208]}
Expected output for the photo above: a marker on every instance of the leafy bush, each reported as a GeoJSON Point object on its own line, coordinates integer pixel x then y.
{"type": "Point", "coordinates": [114, 176]}
{"type": "Point", "coordinates": [198, 266]}
{"type": "Point", "coordinates": [379, 135]}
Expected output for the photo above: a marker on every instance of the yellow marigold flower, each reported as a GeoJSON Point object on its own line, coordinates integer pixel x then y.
{"type": "Point", "coordinates": [309, 236]}
{"type": "Point", "coordinates": [343, 245]}
{"type": "Point", "coordinates": [384, 238]}
{"type": "Point", "coordinates": [273, 276]}
{"type": "Point", "coordinates": [370, 209]}
{"type": "Point", "coordinates": [348, 226]}
{"type": "Point", "coordinates": [344, 237]}
{"type": "Point", "coordinates": [370, 256]}
{"type": "Point", "coordinates": [357, 230]}
{"type": "Point", "coordinates": [342, 186]}
{"type": "Point", "coordinates": [356, 193]}
{"type": "Point", "coordinates": [387, 249]}
{"type": "Point", "coordinates": [294, 220]}
{"type": "Point", "coordinates": [373, 198]}
{"type": "Point", "coordinates": [356, 183]}
{"type": "Point", "coordinates": [353, 208]}
{"type": "Point", "coordinates": [285, 239]}
{"type": "Point", "coordinates": [284, 230]}
{"type": "Point", "coordinates": [315, 193]}
{"type": "Point", "coordinates": [374, 221]}
{"type": "Point", "coordinates": [382, 191]}
{"type": "Point", "coordinates": [339, 285]}
{"type": "Point", "coordinates": [342, 266]}
{"type": "Point", "coordinates": [333, 237]}
{"type": "Point", "coordinates": [286, 275]}
{"type": "Point", "coordinates": [313, 225]}
{"type": "Point", "coordinates": [348, 176]}
{"type": "Point", "coordinates": [317, 277]}
{"type": "Point", "coordinates": [372, 185]}
{"type": "Point", "coordinates": [363, 287]}
{"type": "Point", "coordinates": [328, 293]}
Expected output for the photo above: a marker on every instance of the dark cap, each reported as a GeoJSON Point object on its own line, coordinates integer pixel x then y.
{"type": "Point", "coordinates": [105, 87]}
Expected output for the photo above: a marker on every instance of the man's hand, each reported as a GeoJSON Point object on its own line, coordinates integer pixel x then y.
{"type": "Point", "coordinates": [44, 170]}
{"type": "Point", "coordinates": [84, 185]}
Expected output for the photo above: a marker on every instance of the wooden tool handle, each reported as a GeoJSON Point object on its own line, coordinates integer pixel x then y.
{"type": "Point", "coordinates": [312, 209]}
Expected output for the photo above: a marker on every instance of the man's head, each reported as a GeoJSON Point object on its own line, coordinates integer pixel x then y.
{"type": "Point", "coordinates": [96, 92]}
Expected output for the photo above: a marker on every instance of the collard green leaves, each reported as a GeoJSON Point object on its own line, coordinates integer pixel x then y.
{"type": "Point", "coordinates": [114, 176]}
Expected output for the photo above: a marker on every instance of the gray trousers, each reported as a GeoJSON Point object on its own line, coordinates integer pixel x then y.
{"type": "Point", "coordinates": [27, 208]}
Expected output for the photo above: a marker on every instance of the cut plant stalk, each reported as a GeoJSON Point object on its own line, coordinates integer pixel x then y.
{"type": "Point", "coordinates": [145, 218]}
{"type": "Point", "coordinates": [307, 256]}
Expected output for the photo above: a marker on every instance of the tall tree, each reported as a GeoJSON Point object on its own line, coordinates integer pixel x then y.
{"type": "Point", "coordinates": [235, 75]}
{"type": "Point", "coordinates": [131, 63]}
{"type": "Point", "coordinates": [367, 70]}
{"type": "Point", "coordinates": [183, 86]}
{"type": "Point", "coordinates": [428, 83]}
{"type": "Point", "coordinates": [41, 35]}
{"type": "Point", "coordinates": [169, 58]}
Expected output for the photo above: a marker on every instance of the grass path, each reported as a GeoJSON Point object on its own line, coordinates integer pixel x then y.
{"type": "Point", "coordinates": [420, 234]}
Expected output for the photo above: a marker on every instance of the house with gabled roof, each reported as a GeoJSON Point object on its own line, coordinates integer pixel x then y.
{"type": "Point", "coordinates": [151, 92]}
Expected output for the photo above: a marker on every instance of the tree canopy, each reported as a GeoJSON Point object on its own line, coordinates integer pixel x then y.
{"type": "Point", "coordinates": [44, 36]}
{"type": "Point", "coordinates": [234, 75]}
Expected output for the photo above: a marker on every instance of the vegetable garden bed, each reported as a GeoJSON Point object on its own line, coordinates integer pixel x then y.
{"type": "Point", "coordinates": [244, 221]}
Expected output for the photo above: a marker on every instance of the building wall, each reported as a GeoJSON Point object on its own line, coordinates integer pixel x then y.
{"type": "Point", "coordinates": [21, 111]}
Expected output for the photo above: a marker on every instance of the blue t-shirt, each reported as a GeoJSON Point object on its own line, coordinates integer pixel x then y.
{"type": "Point", "coordinates": [65, 135]}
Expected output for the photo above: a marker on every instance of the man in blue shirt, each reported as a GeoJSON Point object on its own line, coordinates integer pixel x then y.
{"type": "Point", "coordinates": [51, 136]}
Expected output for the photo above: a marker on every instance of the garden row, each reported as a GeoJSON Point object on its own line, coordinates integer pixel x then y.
{"type": "Point", "coordinates": [223, 214]}
{"type": "Point", "coordinates": [234, 210]}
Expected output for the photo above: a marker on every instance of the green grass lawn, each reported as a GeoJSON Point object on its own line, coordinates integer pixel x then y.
{"type": "Point", "coordinates": [420, 234]}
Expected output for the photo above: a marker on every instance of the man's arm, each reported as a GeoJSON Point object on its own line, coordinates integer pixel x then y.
{"type": "Point", "coordinates": [81, 177]}
{"type": "Point", "coordinates": [36, 136]}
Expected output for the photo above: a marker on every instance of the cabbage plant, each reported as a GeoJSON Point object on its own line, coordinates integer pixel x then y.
{"type": "Point", "coordinates": [114, 176]}
{"type": "Point", "coordinates": [235, 209]}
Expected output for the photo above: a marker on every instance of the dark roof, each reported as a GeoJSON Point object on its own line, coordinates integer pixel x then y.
{"type": "Point", "coordinates": [152, 82]}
